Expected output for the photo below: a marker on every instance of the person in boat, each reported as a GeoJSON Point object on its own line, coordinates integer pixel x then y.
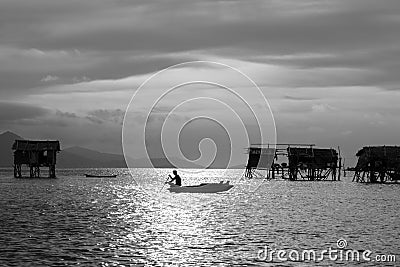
{"type": "Point", "coordinates": [176, 178]}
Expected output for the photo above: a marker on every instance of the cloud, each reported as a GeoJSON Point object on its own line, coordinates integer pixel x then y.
{"type": "Point", "coordinates": [80, 79]}
{"type": "Point", "coordinates": [322, 108]}
{"type": "Point", "coordinates": [70, 115]}
{"type": "Point", "coordinates": [49, 78]}
{"type": "Point", "coordinates": [348, 132]}
{"type": "Point", "coordinates": [71, 67]}
{"type": "Point", "coordinates": [298, 98]}
{"type": "Point", "coordinates": [86, 58]}
{"type": "Point", "coordinates": [168, 27]}
{"type": "Point", "coordinates": [14, 112]}
{"type": "Point", "coordinates": [277, 27]}
{"type": "Point", "coordinates": [103, 115]}
{"type": "Point", "coordinates": [356, 40]}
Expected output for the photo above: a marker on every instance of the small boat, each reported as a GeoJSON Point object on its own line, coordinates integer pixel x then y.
{"type": "Point", "coordinates": [100, 176]}
{"type": "Point", "coordinates": [201, 188]}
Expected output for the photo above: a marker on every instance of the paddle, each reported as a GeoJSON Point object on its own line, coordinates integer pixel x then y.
{"type": "Point", "coordinates": [169, 177]}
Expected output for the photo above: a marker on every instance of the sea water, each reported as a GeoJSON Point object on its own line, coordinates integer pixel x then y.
{"type": "Point", "coordinates": [74, 220]}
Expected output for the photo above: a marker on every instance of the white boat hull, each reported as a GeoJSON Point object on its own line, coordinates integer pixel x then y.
{"type": "Point", "coordinates": [202, 188]}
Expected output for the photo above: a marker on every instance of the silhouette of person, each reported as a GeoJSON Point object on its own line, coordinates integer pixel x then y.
{"type": "Point", "coordinates": [176, 178]}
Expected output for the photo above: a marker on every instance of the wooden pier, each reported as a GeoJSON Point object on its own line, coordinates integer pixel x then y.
{"type": "Point", "coordinates": [304, 162]}
{"type": "Point", "coordinates": [35, 154]}
{"type": "Point", "coordinates": [378, 164]}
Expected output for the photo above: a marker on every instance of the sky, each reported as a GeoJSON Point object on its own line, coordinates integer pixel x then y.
{"type": "Point", "coordinates": [329, 69]}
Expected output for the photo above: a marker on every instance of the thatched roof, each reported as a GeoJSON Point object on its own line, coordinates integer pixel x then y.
{"type": "Point", "coordinates": [29, 145]}
{"type": "Point", "coordinates": [387, 155]}
{"type": "Point", "coordinates": [327, 153]}
{"type": "Point", "coordinates": [319, 157]}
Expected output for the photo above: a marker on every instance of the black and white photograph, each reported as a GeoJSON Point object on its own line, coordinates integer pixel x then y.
{"type": "Point", "coordinates": [199, 133]}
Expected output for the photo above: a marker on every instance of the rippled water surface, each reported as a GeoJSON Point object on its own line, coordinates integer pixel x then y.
{"type": "Point", "coordinates": [73, 220]}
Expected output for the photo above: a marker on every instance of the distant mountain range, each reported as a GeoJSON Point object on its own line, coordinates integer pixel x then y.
{"type": "Point", "coordinates": [6, 141]}
{"type": "Point", "coordinates": [79, 157]}
{"type": "Point", "coordinates": [73, 157]}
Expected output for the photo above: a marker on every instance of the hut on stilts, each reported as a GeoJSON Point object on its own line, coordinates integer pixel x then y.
{"type": "Point", "coordinates": [260, 158]}
{"type": "Point", "coordinates": [378, 164]}
{"type": "Point", "coordinates": [304, 162]}
{"type": "Point", "coordinates": [35, 154]}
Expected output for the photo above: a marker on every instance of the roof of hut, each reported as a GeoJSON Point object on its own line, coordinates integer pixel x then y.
{"type": "Point", "coordinates": [318, 156]}
{"type": "Point", "coordinates": [390, 155]}
{"type": "Point", "coordinates": [29, 145]}
{"type": "Point", "coordinates": [379, 151]}
{"type": "Point", "coordinates": [314, 152]}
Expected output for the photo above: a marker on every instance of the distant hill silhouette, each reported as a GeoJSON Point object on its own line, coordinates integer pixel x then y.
{"type": "Point", "coordinates": [6, 154]}
{"type": "Point", "coordinates": [74, 157]}
{"type": "Point", "coordinates": [79, 157]}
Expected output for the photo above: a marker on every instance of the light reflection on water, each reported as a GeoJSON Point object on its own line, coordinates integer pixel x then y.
{"type": "Point", "coordinates": [75, 220]}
